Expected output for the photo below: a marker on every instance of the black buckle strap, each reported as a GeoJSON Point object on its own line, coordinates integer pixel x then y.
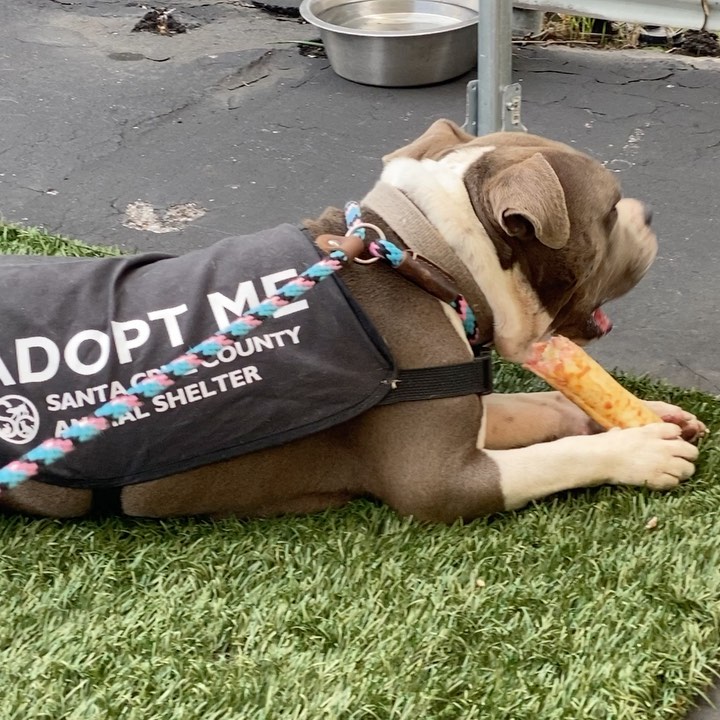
{"type": "Point", "coordinates": [443, 381]}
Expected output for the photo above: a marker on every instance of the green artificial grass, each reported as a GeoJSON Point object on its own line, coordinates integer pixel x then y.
{"type": "Point", "coordinates": [18, 240]}
{"type": "Point", "coordinates": [571, 609]}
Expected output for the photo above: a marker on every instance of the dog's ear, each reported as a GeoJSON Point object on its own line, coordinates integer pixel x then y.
{"type": "Point", "coordinates": [528, 201]}
{"type": "Point", "coordinates": [439, 139]}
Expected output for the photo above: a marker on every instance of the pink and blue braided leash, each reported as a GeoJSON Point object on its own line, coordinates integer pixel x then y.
{"type": "Point", "coordinates": [383, 248]}
{"type": "Point", "coordinates": [85, 429]}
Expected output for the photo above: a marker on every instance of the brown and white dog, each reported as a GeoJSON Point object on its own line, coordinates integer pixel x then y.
{"type": "Point", "coordinates": [546, 236]}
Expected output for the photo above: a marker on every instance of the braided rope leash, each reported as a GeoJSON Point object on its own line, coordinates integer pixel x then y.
{"type": "Point", "coordinates": [91, 426]}
{"type": "Point", "coordinates": [392, 254]}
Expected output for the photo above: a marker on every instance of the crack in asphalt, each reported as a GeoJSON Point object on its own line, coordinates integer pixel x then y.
{"type": "Point", "coordinates": [152, 122]}
{"type": "Point", "coordinates": [552, 72]}
{"type": "Point", "coordinates": [27, 187]}
{"type": "Point", "coordinates": [310, 78]}
{"type": "Point", "coordinates": [697, 374]}
{"type": "Point", "coordinates": [592, 112]}
{"type": "Point", "coordinates": [631, 81]}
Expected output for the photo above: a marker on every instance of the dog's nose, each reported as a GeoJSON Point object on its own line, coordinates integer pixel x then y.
{"type": "Point", "coordinates": [648, 213]}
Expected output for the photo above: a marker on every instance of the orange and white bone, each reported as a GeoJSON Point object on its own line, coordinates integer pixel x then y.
{"type": "Point", "coordinates": [569, 369]}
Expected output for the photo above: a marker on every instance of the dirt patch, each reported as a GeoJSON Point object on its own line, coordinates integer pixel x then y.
{"type": "Point", "coordinates": [141, 215]}
{"type": "Point", "coordinates": [160, 21]}
{"type": "Point", "coordinates": [278, 11]}
{"type": "Point", "coordinates": [699, 43]}
{"type": "Point", "coordinates": [573, 30]}
{"type": "Point", "coordinates": [312, 48]}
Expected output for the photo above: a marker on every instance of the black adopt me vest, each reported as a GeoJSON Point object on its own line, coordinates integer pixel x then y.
{"type": "Point", "coordinates": [76, 332]}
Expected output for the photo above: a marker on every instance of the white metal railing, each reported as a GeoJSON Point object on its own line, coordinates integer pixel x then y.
{"type": "Point", "coordinates": [671, 13]}
{"type": "Point", "coordinates": [493, 102]}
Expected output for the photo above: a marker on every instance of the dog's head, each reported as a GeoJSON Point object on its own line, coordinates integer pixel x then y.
{"type": "Point", "coordinates": [543, 228]}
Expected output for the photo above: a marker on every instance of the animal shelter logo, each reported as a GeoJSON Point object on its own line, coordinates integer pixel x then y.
{"type": "Point", "coordinates": [19, 419]}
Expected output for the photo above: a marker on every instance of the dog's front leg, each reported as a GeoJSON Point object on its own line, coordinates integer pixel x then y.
{"type": "Point", "coordinates": [655, 456]}
{"type": "Point", "coordinates": [517, 420]}
{"type": "Point", "coordinates": [692, 428]}
{"type": "Point", "coordinates": [521, 419]}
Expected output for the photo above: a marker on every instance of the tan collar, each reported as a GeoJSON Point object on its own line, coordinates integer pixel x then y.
{"type": "Point", "coordinates": [421, 236]}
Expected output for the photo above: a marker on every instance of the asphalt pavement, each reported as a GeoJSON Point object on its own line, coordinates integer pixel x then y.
{"type": "Point", "coordinates": [153, 142]}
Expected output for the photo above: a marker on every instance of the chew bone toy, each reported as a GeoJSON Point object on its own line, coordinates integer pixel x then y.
{"type": "Point", "coordinates": [569, 369]}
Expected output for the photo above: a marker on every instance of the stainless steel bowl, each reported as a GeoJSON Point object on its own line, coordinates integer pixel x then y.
{"type": "Point", "coordinates": [396, 43]}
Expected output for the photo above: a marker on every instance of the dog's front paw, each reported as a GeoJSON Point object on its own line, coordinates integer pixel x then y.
{"type": "Point", "coordinates": [655, 456]}
{"type": "Point", "coordinates": [691, 428]}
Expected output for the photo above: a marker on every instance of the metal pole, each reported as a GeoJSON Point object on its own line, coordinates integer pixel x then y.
{"type": "Point", "coordinates": [494, 61]}
{"type": "Point", "coordinates": [493, 102]}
